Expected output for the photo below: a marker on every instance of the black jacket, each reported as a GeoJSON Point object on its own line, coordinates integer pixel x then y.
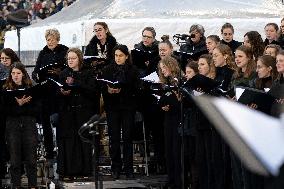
{"type": "Point", "coordinates": [127, 76]}
{"type": "Point", "coordinates": [266, 42]}
{"type": "Point", "coordinates": [92, 49]}
{"type": "Point", "coordinates": [224, 77]}
{"type": "Point", "coordinates": [47, 57]}
{"type": "Point", "coordinates": [152, 55]}
{"type": "Point", "coordinates": [84, 91]}
{"type": "Point", "coordinates": [192, 51]}
{"type": "Point", "coordinates": [281, 41]}
{"type": "Point", "coordinates": [232, 44]}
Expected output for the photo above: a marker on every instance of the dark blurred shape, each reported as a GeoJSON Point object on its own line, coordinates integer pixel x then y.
{"type": "Point", "coordinates": [19, 18]}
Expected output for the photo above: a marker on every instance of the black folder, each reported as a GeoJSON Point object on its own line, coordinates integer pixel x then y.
{"type": "Point", "coordinates": [34, 91]}
{"type": "Point", "coordinates": [202, 82]}
{"type": "Point", "coordinates": [277, 91]}
{"type": "Point", "coordinates": [90, 59]}
{"type": "Point", "coordinates": [43, 71]}
{"type": "Point", "coordinates": [60, 85]}
{"type": "Point", "coordinates": [256, 138]}
{"type": "Point", "coordinates": [139, 57]}
{"type": "Point", "coordinates": [262, 99]}
{"type": "Point", "coordinates": [112, 84]}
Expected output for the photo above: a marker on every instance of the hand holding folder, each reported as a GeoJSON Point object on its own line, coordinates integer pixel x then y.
{"type": "Point", "coordinates": [201, 83]}
{"type": "Point", "coordinates": [50, 70]}
{"type": "Point", "coordinates": [251, 96]}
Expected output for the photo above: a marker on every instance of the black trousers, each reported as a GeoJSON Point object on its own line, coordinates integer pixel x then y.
{"type": "Point", "coordinates": [117, 120]}
{"type": "Point", "coordinates": [173, 150]}
{"type": "Point", "coordinates": [21, 135]}
{"type": "Point", "coordinates": [3, 147]}
{"type": "Point", "coordinates": [46, 111]}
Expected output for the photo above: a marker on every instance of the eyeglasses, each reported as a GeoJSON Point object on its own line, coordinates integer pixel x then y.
{"type": "Point", "coordinates": [72, 58]}
{"type": "Point", "coordinates": [227, 34]}
{"type": "Point", "coordinates": [5, 58]}
{"type": "Point", "coordinates": [147, 37]}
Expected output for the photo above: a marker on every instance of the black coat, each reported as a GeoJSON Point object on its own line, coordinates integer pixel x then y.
{"type": "Point", "coordinates": [11, 108]}
{"type": "Point", "coordinates": [127, 76]}
{"type": "Point", "coordinates": [232, 44]}
{"type": "Point", "coordinates": [83, 99]}
{"type": "Point", "coordinates": [266, 42]}
{"type": "Point", "coordinates": [92, 48]}
{"type": "Point", "coordinates": [47, 57]}
{"type": "Point", "coordinates": [192, 51]}
{"type": "Point", "coordinates": [152, 53]}
{"type": "Point", "coordinates": [224, 77]}
{"type": "Point", "coordinates": [281, 41]}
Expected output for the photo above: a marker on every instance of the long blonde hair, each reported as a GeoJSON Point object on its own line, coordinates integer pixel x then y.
{"type": "Point", "coordinates": [172, 64]}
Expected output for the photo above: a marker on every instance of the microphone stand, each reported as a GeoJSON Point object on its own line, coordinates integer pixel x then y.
{"type": "Point", "coordinates": [95, 151]}
{"type": "Point", "coordinates": [181, 126]}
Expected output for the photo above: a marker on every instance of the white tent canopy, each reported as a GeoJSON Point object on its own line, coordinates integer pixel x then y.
{"type": "Point", "coordinates": [127, 18]}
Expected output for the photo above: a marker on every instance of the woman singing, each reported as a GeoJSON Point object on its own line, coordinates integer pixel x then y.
{"type": "Point", "coordinates": [76, 107]}
{"type": "Point", "coordinates": [120, 106]}
{"type": "Point", "coordinates": [21, 131]}
{"type": "Point", "coordinates": [168, 72]}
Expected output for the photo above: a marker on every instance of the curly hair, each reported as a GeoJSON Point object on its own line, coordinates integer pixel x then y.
{"type": "Point", "coordinates": [257, 44]}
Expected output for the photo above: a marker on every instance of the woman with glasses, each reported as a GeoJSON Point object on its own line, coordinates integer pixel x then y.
{"type": "Point", "coordinates": [8, 58]}
{"type": "Point", "coordinates": [101, 46]}
{"type": "Point", "coordinates": [75, 108]}
{"type": "Point", "coordinates": [227, 32]}
{"type": "Point", "coordinates": [146, 53]}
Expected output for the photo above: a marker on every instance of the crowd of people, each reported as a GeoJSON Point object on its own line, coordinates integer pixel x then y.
{"type": "Point", "coordinates": [112, 75]}
{"type": "Point", "coordinates": [37, 10]}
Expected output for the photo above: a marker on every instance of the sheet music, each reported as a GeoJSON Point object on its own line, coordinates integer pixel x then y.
{"type": "Point", "coordinates": [153, 77]}
{"type": "Point", "coordinates": [59, 84]}
{"type": "Point", "coordinates": [108, 81]}
{"type": "Point", "coordinates": [263, 134]}
{"type": "Point", "coordinates": [239, 92]}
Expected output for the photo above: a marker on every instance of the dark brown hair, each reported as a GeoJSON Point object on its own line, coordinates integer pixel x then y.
{"type": "Point", "coordinates": [257, 44]}
{"type": "Point", "coordinates": [105, 26]}
{"type": "Point", "coordinates": [11, 54]}
{"type": "Point", "coordinates": [26, 81]}
{"type": "Point", "coordinates": [251, 66]}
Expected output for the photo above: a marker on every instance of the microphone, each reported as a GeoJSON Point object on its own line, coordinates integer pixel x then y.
{"type": "Point", "coordinates": [92, 119]}
{"type": "Point", "coordinates": [184, 36]}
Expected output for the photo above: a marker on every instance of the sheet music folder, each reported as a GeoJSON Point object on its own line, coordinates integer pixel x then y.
{"type": "Point", "coordinates": [247, 96]}
{"type": "Point", "coordinates": [139, 57]}
{"type": "Point", "coordinates": [89, 59]}
{"type": "Point", "coordinates": [34, 91]}
{"type": "Point", "coordinates": [202, 82]}
{"type": "Point", "coordinates": [112, 84]}
{"type": "Point", "coordinates": [256, 138]}
{"type": "Point", "coordinates": [44, 71]}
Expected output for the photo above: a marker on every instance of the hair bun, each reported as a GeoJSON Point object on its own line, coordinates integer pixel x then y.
{"type": "Point", "coordinates": [165, 38]}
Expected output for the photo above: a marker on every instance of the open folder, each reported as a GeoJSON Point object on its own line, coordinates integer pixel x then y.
{"type": "Point", "coordinates": [256, 138]}
{"type": "Point", "coordinates": [248, 96]}
{"type": "Point", "coordinates": [34, 91]}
